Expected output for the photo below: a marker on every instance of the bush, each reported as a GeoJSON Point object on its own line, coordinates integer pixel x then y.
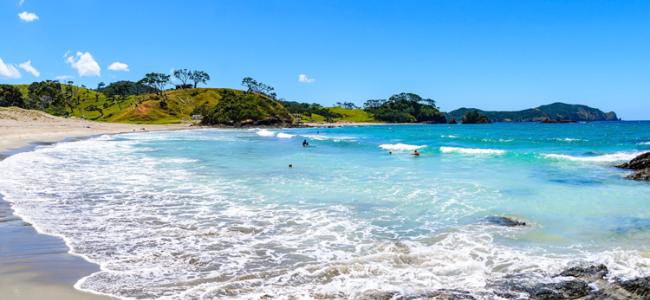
{"type": "Point", "coordinates": [239, 109]}
{"type": "Point", "coordinates": [11, 96]}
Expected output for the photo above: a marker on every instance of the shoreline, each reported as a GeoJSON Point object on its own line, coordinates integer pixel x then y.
{"type": "Point", "coordinates": [35, 265]}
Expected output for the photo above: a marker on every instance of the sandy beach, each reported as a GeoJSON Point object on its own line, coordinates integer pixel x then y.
{"type": "Point", "coordinates": [33, 265]}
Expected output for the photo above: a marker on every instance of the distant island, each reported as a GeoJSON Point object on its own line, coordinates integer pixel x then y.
{"type": "Point", "coordinates": [152, 101]}
{"type": "Point", "coordinates": [556, 112]}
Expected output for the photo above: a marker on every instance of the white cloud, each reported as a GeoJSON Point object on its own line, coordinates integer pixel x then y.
{"type": "Point", "coordinates": [118, 66]}
{"type": "Point", "coordinates": [8, 70]}
{"type": "Point", "coordinates": [28, 16]}
{"type": "Point", "coordinates": [27, 66]}
{"type": "Point", "coordinates": [303, 78]}
{"type": "Point", "coordinates": [84, 63]}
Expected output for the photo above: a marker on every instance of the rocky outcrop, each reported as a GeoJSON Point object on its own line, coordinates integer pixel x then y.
{"type": "Point", "coordinates": [638, 287]}
{"type": "Point", "coordinates": [504, 221]}
{"type": "Point", "coordinates": [640, 165]}
{"type": "Point", "coordinates": [578, 282]}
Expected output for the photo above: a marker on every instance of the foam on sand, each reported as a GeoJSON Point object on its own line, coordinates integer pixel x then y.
{"type": "Point", "coordinates": [401, 147]}
{"type": "Point", "coordinates": [481, 151]}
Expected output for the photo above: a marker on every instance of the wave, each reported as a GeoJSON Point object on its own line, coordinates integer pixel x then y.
{"type": "Point", "coordinates": [569, 140]}
{"type": "Point", "coordinates": [644, 143]}
{"type": "Point", "coordinates": [264, 132]}
{"type": "Point", "coordinates": [321, 137]}
{"type": "Point", "coordinates": [401, 147]}
{"type": "Point", "coordinates": [165, 239]}
{"type": "Point", "coordinates": [283, 135]}
{"type": "Point", "coordinates": [445, 149]}
{"type": "Point", "coordinates": [605, 158]}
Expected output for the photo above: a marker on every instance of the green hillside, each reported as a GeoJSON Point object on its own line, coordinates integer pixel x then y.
{"type": "Point", "coordinates": [168, 107]}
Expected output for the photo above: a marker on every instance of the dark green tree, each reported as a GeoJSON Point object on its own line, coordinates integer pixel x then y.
{"type": "Point", "coordinates": [156, 81]}
{"type": "Point", "coordinates": [475, 117]}
{"type": "Point", "coordinates": [199, 77]}
{"type": "Point", "coordinates": [11, 96]}
{"type": "Point", "coordinates": [184, 76]}
{"type": "Point", "coordinates": [253, 86]}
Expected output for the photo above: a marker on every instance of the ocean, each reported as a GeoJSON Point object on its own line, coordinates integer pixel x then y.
{"type": "Point", "coordinates": [217, 213]}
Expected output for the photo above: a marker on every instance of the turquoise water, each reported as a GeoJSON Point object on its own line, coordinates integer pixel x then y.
{"type": "Point", "coordinates": [218, 213]}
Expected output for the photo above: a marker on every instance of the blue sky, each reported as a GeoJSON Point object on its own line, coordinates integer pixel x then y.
{"type": "Point", "coordinates": [486, 54]}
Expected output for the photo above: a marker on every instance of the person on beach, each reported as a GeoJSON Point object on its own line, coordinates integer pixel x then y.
{"type": "Point", "coordinates": [305, 143]}
{"type": "Point", "coordinates": [416, 153]}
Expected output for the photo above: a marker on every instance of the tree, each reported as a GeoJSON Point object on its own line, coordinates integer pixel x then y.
{"type": "Point", "coordinates": [156, 81]}
{"type": "Point", "coordinates": [11, 96]}
{"type": "Point", "coordinates": [184, 75]}
{"type": "Point", "coordinates": [252, 86]}
{"type": "Point", "coordinates": [405, 107]}
{"type": "Point", "coordinates": [199, 77]}
{"type": "Point", "coordinates": [100, 85]}
{"type": "Point", "coordinates": [46, 95]}
{"type": "Point", "coordinates": [475, 117]}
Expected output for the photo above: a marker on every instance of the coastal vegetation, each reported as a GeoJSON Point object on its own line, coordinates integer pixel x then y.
{"type": "Point", "coordinates": [475, 117]}
{"type": "Point", "coordinates": [174, 98]}
{"type": "Point", "coordinates": [405, 108]}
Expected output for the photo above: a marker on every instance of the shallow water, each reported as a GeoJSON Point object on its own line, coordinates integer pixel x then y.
{"type": "Point", "coordinates": [218, 213]}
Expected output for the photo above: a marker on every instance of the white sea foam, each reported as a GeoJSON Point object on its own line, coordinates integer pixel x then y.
{"type": "Point", "coordinates": [644, 143]}
{"type": "Point", "coordinates": [481, 151]}
{"type": "Point", "coordinates": [605, 158]}
{"type": "Point", "coordinates": [401, 147]}
{"type": "Point", "coordinates": [283, 135]}
{"type": "Point", "coordinates": [569, 140]}
{"type": "Point", "coordinates": [334, 138]}
{"type": "Point", "coordinates": [265, 133]}
{"type": "Point", "coordinates": [181, 234]}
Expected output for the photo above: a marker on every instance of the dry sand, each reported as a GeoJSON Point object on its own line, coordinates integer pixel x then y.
{"type": "Point", "coordinates": [33, 265]}
{"type": "Point", "coordinates": [21, 127]}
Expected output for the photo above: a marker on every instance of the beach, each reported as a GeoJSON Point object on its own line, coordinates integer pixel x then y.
{"type": "Point", "coordinates": [34, 265]}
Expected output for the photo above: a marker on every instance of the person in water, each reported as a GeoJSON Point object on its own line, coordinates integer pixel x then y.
{"type": "Point", "coordinates": [416, 153]}
{"type": "Point", "coordinates": [305, 143]}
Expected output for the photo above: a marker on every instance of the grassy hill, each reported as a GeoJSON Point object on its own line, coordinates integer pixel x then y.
{"type": "Point", "coordinates": [145, 109]}
{"type": "Point", "coordinates": [340, 114]}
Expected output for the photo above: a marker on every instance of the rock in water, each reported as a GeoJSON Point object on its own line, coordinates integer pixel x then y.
{"type": "Point", "coordinates": [641, 164]}
{"type": "Point", "coordinates": [504, 221]}
{"type": "Point", "coordinates": [571, 289]}
{"type": "Point", "coordinates": [640, 175]}
{"type": "Point", "coordinates": [639, 287]}
{"type": "Point", "coordinates": [638, 163]}
{"type": "Point", "coordinates": [598, 271]}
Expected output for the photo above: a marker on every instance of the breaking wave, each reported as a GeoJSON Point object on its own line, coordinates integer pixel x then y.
{"type": "Point", "coordinates": [481, 151]}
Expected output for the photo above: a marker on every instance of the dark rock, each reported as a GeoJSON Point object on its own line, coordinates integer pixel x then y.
{"type": "Point", "coordinates": [504, 221]}
{"type": "Point", "coordinates": [640, 175]}
{"type": "Point", "coordinates": [598, 271]}
{"type": "Point", "coordinates": [571, 289]}
{"type": "Point", "coordinates": [443, 294]}
{"type": "Point", "coordinates": [639, 287]}
{"type": "Point", "coordinates": [640, 162]}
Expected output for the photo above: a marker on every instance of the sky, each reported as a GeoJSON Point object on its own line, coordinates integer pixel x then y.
{"type": "Point", "coordinates": [493, 55]}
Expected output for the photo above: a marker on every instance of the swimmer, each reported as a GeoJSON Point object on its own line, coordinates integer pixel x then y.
{"type": "Point", "coordinates": [305, 143]}
{"type": "Point", "coordinates": [416, 153]}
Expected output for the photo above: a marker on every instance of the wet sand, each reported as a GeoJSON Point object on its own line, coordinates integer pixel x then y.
{"type": "Point", "coordinates": [37, 266]}
{"type": "Point", "coordinates": [34, 265]}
